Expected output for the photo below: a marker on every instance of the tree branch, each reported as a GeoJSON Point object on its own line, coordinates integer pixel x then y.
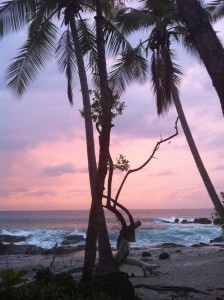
{"type": "Point", "coordinates": [156, 148]}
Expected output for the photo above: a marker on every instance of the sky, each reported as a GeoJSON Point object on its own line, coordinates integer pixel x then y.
{"type": "Point", "coordinates": [43, 163]}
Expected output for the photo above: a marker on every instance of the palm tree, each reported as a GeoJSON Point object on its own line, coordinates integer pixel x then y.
{"type": "Point", "coordinates": [164, 19]}
{"type": "Point", "coordinates": [216, 9]}
{"type": "Point", "coordinates": [40, 44]}
{"type": "Point", "coordinates": [206, 40]}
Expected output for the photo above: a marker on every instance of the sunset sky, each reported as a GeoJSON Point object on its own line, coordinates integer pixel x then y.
{"type": "Point", "coordinates": [43, 161]}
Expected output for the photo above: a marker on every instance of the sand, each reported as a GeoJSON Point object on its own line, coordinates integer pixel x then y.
{"type": "Point", "coordinates": [188, 273]}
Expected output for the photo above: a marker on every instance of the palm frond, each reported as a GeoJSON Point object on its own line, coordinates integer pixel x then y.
{"type": "Point", "coordinates": [183, 37]}
{"type": "Point", "coordinates": [88, 6]}
{"type": "Point", "coordinates": [130, 67]}
{"type": "Point", "coordinates": [156, 5]}
{"type": "Point", "coordinates": [32, 55]}
{"type": "Point", "coordinates": [86, 35]}
{"type": "Point", "coordinates": [157, 84]}
{"type": "Point", "coordinates": [164, 73]}
{"type": "Point", "coordinates": [15, 14]}
{"type": "Point", "coordinates": [216, 9]}
{"type": "Point", "coordinates": [115, 40]}
{"type": "Point", "coordinates": [87, 40]}
{"type": "Point", "coordinates": [47, 8]}
{"type": "Point", "coordinates": [108, 8]}
{"type": "Point", "coordinates": [130, 19]}
{"type": "Point", "coordinates": [67, 60]}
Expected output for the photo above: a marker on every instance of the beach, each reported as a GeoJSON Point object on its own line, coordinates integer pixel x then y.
{"type": "Point", "coordinates": [193, 252]}
{"type": "Point", "coordinates": [184, 273]}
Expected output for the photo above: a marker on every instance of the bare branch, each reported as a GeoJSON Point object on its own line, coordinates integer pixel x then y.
{"type": "Point", "coordinates": [156, 148]}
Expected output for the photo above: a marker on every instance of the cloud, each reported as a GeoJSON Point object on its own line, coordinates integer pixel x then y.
{"type": "Point", "coordinates": [62, 169]}
{"type": "Point", "coordinates": [42, 193]}
{"type": "Point", "coordinates": [218, 168]}
{"type": "Point", "coordinates": [140, 119]}
{"type": "Point", "coordinates": [162, 173]}
{"type": "Point", "coordinates": [41, 136]}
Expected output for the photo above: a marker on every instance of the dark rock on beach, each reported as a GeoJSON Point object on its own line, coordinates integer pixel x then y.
{"type": "Point", "coordinates": [72, 239]}
{"type": "Point", "coordinates": [11, 238]}
{"type": "Point", "coordinates": [176, 221]}
{"type": "Point", "coordinates": [171, 245]}
{"type": "Point", "coordinates": [146, 254]}
{"type": "Point", "coordinates": [202, 221]}
{"type": "Point", "coordinates": [19, 249]}
{"type": "Point", "coordinates": [164, 255]}
{"type": "Point", "coordinates": [199, 245]}
{"type": "Point", "coordinates": [185, 222]}
{"type": "Point", "coordinates": [61, 250]}
{"type": "Point", "coordinates": [219, 239]}
{"type": "Point", "coordinates": [11, 248]}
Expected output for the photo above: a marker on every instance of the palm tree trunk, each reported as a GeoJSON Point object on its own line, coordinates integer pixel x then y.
{"type": "Point", "coordinates": [206, 42]}
{"type": "Point", "coordinates": [87, 106]}
{"type": "Point", "coordinates": [92, 166]}
{"type": "Point", "coordinates": [201, 168]}
{"type": "Point", "coordinates": [106, 260]}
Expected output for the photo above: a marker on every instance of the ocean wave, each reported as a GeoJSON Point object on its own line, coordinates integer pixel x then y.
{"type": "Point", "coordinates": [157, 227]}
{"type": "Point", "coordinates": [43, 238]}
{"type": "Point", "coordinates": [172, 220]}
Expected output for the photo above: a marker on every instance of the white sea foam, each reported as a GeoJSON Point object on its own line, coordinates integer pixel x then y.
{"type": "Point", "coordinates": [157, 227]}
{"type": "Point", "coordinates": [172, 220]}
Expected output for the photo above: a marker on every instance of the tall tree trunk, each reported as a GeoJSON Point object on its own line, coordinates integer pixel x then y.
{"type": "Point", "coordinates": [92, 166]}
{"type": "Point", "coordinates": [86, 104]}
{"type": "Point", "coordinates": [206, 42]}
{"type": "Point", "coordinates": [201, 168]}
{"type": "Point", "coordinates": [106, 261]}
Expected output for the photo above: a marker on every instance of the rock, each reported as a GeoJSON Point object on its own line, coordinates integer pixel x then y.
{"type": "Point", "coordinates": [176, 220]}
{"type": "Point", "coordinates": [217, 221]}
{"type": "Point", "coordinates": [19, 249]}
{"type": "Point", "coordinates": [219, 239]}
{"type": "Point", "coordinates": [145, 254]}
{"type": "Point", "coordinates": [184, 221]}
{"type": "Point", "coordinates": [11, 238]}
{"type": "Point", "coordinates": [10, 249]}
{"type": "Point", "coordinates": [171, 245]}
{"type": "Point", "coordinates": [32, 249]}
{"type": "Point", "coordinates": [60, 250]}
{"type": "Point", "coordinates": [72, 239]}
{"type": "Point", "coordinates": [202, 221]}
{"type": "Point", "coordinates": [146, 259]}
{"type": "Point", "coordinates": [199, 245]}
{"type": "Point", "coordinates": [164, 255]}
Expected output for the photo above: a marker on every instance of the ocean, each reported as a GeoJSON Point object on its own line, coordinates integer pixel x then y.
{"type": "Point", "coordinates": [46, 228]}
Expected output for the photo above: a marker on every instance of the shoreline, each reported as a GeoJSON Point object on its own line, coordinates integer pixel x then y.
{"type": "Point", "coordinates": [187, 273]}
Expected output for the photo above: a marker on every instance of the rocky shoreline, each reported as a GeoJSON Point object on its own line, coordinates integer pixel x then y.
{"type": "Point", "coordinates": [16, 245]}
{"type": "Point", "coordinates": [9, 246]}
{"type": "Point", "coordinates": [14, 249]}
{"type": "Point", "coordinates": [205, 221]}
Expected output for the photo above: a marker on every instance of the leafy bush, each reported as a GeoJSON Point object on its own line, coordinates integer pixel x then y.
{"type": "Point", "coordinates": [48, 286]}
{"type": "Point", "coordinates": [12, 277]}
